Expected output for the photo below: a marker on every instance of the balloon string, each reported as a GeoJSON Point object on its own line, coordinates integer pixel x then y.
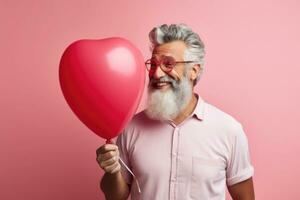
{"type": "Point", "coordinates": [137, 182]}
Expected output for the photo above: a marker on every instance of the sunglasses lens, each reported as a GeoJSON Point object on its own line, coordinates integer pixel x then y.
{"type": "Point", "coordinates": [168, 63]}
{"type": "Point", "coordinates": [150, 65]}
{"type": "Point", "coordinates": [153, 64]}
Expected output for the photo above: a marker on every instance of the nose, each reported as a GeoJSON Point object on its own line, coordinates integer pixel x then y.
{"type": "Point", "coordinates": [158, 73]}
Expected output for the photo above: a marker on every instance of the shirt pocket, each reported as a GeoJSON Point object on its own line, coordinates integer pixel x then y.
{"type": "Point", "coordinates": [206, 172]}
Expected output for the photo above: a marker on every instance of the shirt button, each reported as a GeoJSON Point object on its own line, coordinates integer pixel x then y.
{"type": "Point", "coordinates": [173, 179]}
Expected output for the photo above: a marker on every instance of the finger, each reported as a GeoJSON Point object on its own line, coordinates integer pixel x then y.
{"type": "Point", "coordinates": [106, 156]}
{"type": "Point", "coordinates": [111, 167]}
{"type": "Point", "coordinates": [105, 148]}
{"type": "Point", "coordinates": [110, 161]}
{"type": "Point", "coordinates": [115, 170]}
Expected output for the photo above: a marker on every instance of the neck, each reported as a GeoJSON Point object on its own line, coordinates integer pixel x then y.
{"type": "Point", "coordinates": [186, 111]}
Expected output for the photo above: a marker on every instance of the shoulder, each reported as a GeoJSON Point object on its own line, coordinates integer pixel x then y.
{"type": "Point", "coordinates": [138, 122]}
{"type": "Point", "coordinates": [223, 120]}
{"type": "Point", "coordinates": [133, 129]}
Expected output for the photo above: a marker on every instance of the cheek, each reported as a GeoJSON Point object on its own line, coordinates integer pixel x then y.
{"type": "Point", "coordinates": [176, 74]}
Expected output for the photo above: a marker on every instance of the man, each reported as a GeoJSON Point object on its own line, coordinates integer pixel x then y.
{"type": "Point", "coordinates": [180, 147]}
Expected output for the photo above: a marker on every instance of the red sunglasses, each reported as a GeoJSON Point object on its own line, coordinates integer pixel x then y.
{"type": "Point", "coordinates": [167, 63]}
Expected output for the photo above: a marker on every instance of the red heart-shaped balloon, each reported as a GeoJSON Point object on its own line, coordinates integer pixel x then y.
{"type": "Point", "coordinates": [103, 82]}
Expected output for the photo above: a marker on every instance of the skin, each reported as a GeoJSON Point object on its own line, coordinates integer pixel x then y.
{"type": "Point", "coordinates": [176, 49]}
{"type": "Point", "coordinates": [113, 184]}
{"type": "Point", "coordinates": [243, 190]}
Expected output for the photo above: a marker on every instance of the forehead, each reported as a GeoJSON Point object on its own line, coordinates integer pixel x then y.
{"type": "Point", "coordinates": [175, 49]}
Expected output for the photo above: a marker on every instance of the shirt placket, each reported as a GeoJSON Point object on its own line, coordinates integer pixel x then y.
{"type": "Point", "coordinates": [174, 163]}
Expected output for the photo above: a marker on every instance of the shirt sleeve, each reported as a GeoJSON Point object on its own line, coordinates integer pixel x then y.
{"type": "Point", "coordinates": [239, 167]}
{"type": "Point", "coordinates": [124, 156]}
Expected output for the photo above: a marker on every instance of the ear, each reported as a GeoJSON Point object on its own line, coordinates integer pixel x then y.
{"type": "Point", "coordinates": [196, 69]}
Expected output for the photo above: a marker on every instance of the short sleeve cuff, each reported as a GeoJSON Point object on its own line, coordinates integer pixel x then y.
{"type": "Point", "coordinates": [243, 175]}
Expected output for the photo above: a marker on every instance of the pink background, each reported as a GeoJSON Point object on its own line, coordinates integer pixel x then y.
{"type": "Point", "coordinates": [252, 72]}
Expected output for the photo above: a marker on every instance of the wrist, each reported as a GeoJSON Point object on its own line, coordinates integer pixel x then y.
{"type": "Point", "coordinates": [114, 175]}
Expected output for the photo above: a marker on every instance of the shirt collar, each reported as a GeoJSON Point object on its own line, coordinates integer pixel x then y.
{"type": "Point", "coordinates": [199, 109]}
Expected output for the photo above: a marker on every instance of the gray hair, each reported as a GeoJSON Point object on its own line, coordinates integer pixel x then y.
{"type": "Point", "coordinates": [195, 46]}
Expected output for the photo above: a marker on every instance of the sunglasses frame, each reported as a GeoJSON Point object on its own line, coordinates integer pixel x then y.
{"type": "Point", "coordinates": [167, 68]}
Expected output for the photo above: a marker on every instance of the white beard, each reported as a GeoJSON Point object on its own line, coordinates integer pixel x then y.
{"type": "Point", "coordinates": [168, 104]}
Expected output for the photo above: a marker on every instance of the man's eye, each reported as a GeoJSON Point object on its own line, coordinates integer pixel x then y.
{"type": "Point", "coordinates": [153, 65]}
{"type": "Point", "coordinates": [168, 64]}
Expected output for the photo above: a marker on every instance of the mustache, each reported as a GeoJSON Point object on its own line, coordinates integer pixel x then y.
{"type": "Point", "coordinates": [161, 80]}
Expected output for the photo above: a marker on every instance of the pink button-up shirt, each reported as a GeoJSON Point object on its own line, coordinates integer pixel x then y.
{"type": "Point", "coordinates": [192, 160]}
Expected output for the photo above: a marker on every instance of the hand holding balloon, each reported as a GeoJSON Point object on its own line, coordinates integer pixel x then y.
{"type": "Point", "coordinates": [108, 158]}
